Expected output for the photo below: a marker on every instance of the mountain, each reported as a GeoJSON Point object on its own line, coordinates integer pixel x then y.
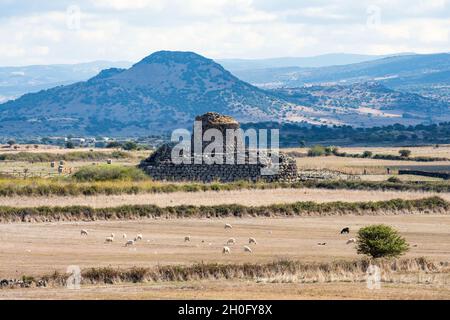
{"type": "Point", "coordinates": [363, 104]}
{"type": "Point", "coordinates": [16, 81]}
{"type": "Point", "coordinates": [161, 92]}
{"type": "Point", "coordinates": [166, 90]}
{"type": "Point", "coordinates": [426, 74]}
{"type": "Point", "coordinates": [331, 59]}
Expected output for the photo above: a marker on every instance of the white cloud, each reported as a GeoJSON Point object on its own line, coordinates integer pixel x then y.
{"type": "Point", "coordinates": [130, 30]}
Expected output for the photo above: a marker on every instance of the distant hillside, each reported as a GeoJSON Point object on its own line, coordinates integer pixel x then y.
{"type": "Point", "coordinates": [331, 59]}
{"type": "Point", "coordinates": [16, 81]}
{"type": "Point", "coordinates": [427, 74]}
{"type": "Point", "coordinates": [166, 90]}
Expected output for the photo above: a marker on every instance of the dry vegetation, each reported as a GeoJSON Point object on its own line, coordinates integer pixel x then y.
{"type": "Point", "coordinates": [286, 263]}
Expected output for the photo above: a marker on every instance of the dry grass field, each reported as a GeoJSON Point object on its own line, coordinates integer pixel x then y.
{"type": "Point", "coordinates": [37, 249]}
{"type": "Point", "coordinates": [41, 248]}
{"type": "Point", "coordinates": [209, 198]}
{"type": "Point", "coordinates": [233, 289]}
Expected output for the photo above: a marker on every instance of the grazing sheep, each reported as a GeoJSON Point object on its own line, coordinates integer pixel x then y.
{"type": "Point", "coordinates": [187, 238]}
{"type": "Point", "coordinates": [231, 241]}
{"type": "Point", "coordinates": [112, 235]}
{"type": "Point", "coordinates": [247, 249]}
{"type": "Point", "coordinates": [251, 240]}
{"type": "Point", "coordinates": [84, 232]}
{"type": "Point", "coordinates": [124, 236]}
{"type": "Point", "coordinates": [228, 226]}
{"type": "Point", "coordinates": [351, 240]}
{"type": "Point", "coordinates": [345, 230]}
{"type": "Point", "coordinates": [226, 250]}
{"type": "Point", "coordinates": [139, 237]}
{"type": "Point", "coordinates": [129, 243]}
{"type": "Point", "coordinates": [109, 239]}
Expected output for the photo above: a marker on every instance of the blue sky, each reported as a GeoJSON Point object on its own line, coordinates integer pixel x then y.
{"type": "Point", "coordinates": [49, 31]}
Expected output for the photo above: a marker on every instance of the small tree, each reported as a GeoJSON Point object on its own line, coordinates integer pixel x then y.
{"type": "Point", "coordinates": [367, 154]}
{"type": "Point", "coordinates": [380, 241]}
{"type": "Point", "coordinates": [405, 153]}
{"type": "Point", "coordinates": [70, 145]}
{"type": "Point", "coordinates": [113, 144]}
{"type": "Point", "coordinates": [130, 145]}
{"type": "Point", "coordinates": [11, 142]}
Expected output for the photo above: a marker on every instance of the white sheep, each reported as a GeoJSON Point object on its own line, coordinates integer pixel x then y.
{"type": "Point", "coordinates": [351, 240]}
{"type": "Point", "coordinates": [124, 236]}
{"type": "Point", "coordinates": [228, 226]}
{"type": "Point", "coordinates": [139, 237]}
{"type": "Point", "coordinates": [109, 239]}
{"type": "Point", "coordinates": [247, 249]}
{"type": "Point", "coordinates": [112, 235]}
{"type": "Point", "coordinates": [226, 250]}
{"type": "Point", "coordinates": [187, 238]}
{"type": "Point", "coordinates": [129, 243]}
{"type": "Point", "coordinates": [251, 240]}
{"type": "Point", "coordinates": [84, 232]}
{"type": "Point", "coordinates": [231, 241]}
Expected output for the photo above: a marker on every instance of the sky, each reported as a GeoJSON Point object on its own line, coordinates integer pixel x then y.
{"type": "Point", "coordinates": [50, 31]}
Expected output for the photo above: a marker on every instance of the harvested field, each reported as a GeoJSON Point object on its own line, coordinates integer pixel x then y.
{"type": "Point", "coordinates": [38, 249]}
{"type": "Point", "coordinates": [232, 289]}
{"type": "Point", "coordinates": [209, 198]}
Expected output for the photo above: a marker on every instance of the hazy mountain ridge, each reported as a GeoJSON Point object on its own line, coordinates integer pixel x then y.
{"type": "Point", "coordinates": [161, 92]}
{"type": "Point", "coordinates": [16, 81]}
{"type": "Point", "coordinates": [166, 90]}
{"type": "Point", "coordinates": [426, 74]}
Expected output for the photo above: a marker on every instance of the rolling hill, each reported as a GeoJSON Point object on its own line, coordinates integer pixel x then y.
{"type": "Point", "coordinates": [167, 89]}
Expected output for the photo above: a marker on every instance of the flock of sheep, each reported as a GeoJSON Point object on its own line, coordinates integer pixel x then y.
{"type": "Point", "coordinates": [226, 248]}
{"type": "Point", "coordinates": [111, 238]}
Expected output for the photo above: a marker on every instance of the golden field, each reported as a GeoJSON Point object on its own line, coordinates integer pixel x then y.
{"type": "Point", "coordinates": [37, 249]}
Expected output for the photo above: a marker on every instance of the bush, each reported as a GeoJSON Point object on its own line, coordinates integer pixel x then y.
{"type": "Point", "coordinates": [380, 241]}
{"type": "Point", "coordinates": [70, 145]}
{"type": "Point", "coordinates": [129, 146]}
{"type": "Point", "coordinates": [405, 153]}
{"type": "Point", "coordinates": [394, 180]}
{"type": "Point", "coordinates": [367, 154]}
{"type": "Point", "coordinates": [109, 172]}
{"type": "Point", "coordinates": [316, 151]}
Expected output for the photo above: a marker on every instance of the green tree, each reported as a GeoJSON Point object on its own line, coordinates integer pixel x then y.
{"type": "Point", "coordinates": [367, 154]}
{"type": "Point", "coordinates": [70, 145]}
{"type": "Point", "coordinates": [11, 142]}
{"type": "Point", "coordinates": [405, 153]}
{"type": "Point", "coordinates": [130, 145]}
{"type": "Point", "coordinates": [380, 241]}
{"type": "Point", "coordinates": [113, 144]}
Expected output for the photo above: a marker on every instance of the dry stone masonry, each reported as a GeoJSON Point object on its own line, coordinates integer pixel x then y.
{"type": "Point", "coordinates": [160, 166]}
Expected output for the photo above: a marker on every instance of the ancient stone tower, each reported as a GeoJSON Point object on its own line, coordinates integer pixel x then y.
{"type": "Point", "coordinates": [161, 167]}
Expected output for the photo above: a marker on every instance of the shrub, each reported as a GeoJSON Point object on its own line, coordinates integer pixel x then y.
{"type": "Point", "coordinates": [109, 172]}
{"type": "Point", "coordinates": [129, 146]}
{"type": "Point", "coordinates": [405, 153]}
{"type": "Point", "coordinates": [367, 154]}
{"type": "Point", "coordinates": [70, 145]}
{"type": "Point", "coordinates": [394, 180]}
{"type": "Point", "coordinates": [380, 241]}
{"type": "Point", "coordinates": [316, 151]}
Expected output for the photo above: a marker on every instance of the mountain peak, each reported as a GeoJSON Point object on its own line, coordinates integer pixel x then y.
{"type": "Point", "coordinates": [165, 56]}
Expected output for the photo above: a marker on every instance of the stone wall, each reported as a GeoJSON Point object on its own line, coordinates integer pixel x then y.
{"type": "Point", "coordinates": [219, 172]}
